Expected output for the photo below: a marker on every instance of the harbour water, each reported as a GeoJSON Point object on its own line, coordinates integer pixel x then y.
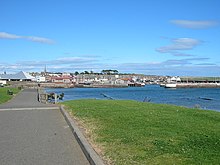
{"type": "Point", "coordinates": [204, 98]}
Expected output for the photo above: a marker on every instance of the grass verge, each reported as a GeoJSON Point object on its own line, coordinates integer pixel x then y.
{"type": "Point", "coordinates": [130, 132]}
{"type": "Point", "coordinates": [4, 97]}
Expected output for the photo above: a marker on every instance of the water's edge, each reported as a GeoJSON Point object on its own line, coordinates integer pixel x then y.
{"type": "Point", "coordinates": [204, 98]}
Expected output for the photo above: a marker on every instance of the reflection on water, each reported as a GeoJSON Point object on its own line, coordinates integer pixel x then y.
{"type": "Point", "coordinates": [205, 98]}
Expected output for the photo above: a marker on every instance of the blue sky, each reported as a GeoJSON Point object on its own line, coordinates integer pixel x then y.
{"type": "Point", "coordinates": [156, 37]}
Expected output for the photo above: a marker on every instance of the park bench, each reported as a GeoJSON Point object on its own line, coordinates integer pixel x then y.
{"type": "Point", "coordinates": [9, 92]}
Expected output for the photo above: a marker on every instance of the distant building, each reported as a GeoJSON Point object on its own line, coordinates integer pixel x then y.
{"type": "Point", "coordinates": [174, 79]}
{"type": "Point", "coordinates": [3, 82]}
{"type": "Point", "coordinates": [63, 79]}
{"type": "Point", "coordinates": [40, 78]}
{"type": "Point", "coordinates": [20, 76]}
{"type": "Point", "coordinates": [66, 74]}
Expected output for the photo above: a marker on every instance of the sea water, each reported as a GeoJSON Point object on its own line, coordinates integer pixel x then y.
{"type": "Point", "coordinates": [204, 98]}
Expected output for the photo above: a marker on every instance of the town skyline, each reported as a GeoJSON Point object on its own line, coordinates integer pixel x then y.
{"type": "Point", "coordinates": [176, 38]}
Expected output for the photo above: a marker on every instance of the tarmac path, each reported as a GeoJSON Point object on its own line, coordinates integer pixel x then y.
{"type": "Point", "coordinates": [36, 133]}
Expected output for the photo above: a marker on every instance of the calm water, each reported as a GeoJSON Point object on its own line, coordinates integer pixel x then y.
{"type": "Point", "coordinates": [205, 98]}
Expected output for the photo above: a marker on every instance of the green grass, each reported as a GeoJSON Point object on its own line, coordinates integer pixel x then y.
{"type": "Point", "coordinates": [4, 97]}
{"type": "Point", "coordinates": [130, 132]}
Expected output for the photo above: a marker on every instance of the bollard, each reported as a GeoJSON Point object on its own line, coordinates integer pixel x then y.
{"type": "Point", "coordinates": [55, 98]}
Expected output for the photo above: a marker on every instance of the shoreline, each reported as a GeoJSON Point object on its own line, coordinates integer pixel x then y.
{"type": "Point", "coordinates": [189, 97]}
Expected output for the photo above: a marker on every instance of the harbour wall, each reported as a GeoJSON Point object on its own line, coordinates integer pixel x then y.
{"type": "Point", "coordinates": [198, 85]}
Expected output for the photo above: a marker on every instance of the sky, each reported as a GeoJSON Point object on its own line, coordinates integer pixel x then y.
{"type": "Point", "coordinates": [151, 37]}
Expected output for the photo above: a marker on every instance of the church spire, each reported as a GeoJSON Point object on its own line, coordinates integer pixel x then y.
{"type": "Point", "coordinates": [45, 70]}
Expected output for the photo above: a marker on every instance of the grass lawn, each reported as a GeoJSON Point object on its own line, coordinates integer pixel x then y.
{"type": "Point", "coordinates": [130, 132]}
{"type": "Point", "coordinates": [4, 97]}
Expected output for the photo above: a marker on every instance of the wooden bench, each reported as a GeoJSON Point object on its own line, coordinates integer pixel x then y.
{"type": "Point", "coordinates": [9, 92]}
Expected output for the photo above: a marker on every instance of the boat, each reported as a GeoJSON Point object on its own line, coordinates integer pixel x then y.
{"type": "Point", "coordinates": [162, 85]}
{"type": "Point", "coordinates": [170, 86]}
{"type": "Point", "coordinates": [143, 84]}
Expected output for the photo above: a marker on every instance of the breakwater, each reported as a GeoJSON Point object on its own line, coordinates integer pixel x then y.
{"type": "Point", "coordinates": [101, 86]}
{"type": "Point", "coordinates": [193, 85]}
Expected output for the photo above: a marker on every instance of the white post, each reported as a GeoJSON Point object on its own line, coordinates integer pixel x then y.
{"type": "Point", "coordinates": [55, 98]}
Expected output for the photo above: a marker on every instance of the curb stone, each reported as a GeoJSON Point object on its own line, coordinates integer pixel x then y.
{"type": "Point", "coordinates": [27, 109]}
{"type": "Point", "coordinates": [90, 154]}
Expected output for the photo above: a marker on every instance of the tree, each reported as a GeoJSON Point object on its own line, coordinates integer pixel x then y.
{"type": "Point", "coordinates": [76, 73]}
{"type": "Point", "coordinates": [115, 71]}
{"type": "Point", "coordinates": [109, 71]}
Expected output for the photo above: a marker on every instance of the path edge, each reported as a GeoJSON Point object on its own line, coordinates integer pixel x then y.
{"type": "Point", "coordinates": [87, 149]}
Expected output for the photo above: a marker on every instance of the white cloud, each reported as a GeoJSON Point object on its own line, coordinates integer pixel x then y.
{"type": "Point", "coordinates": [197, 59]}
{"type": "Point", "coordinates": [162, 65]}
{"type": "Point", "coordinates": [180, 44]}
{"type": "Point", "coordinates": [75, 60]}
{"type": "Point", "coordinates": [182, 62]}
{"type": "Point", "coordinates": [194, 24]}
{"type": "Point", "coordinates": [182, 67]}
{"type": "Point", "coordinates": [64, 62]}
{"type": "Point", "coordinates": [40, 39]}
{"type": "Point", "coordinates": [4, 35]}
{"type": "Point", "coordinates": [178, 54]}
{"type": "Point", "coordinates": [187, 66]}
{"type": "Point", "coordinates": [207, 64]}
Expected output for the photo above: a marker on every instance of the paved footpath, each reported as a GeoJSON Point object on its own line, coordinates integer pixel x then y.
{"type": "Point", "coordinates": [32, 133]}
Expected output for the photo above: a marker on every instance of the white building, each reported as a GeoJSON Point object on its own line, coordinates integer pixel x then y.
{"type": "Point", "coordinates": [4, 82]}
{"type": "Point", "coordinates": [20, 76]}
{"type": "Point", "coordinates": [40, 79]}
{"type": "Point", "coordinates": [174, 79]}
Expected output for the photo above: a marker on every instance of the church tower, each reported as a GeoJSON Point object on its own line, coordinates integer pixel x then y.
{"type": "Point", "coordinates": [45, 70]}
